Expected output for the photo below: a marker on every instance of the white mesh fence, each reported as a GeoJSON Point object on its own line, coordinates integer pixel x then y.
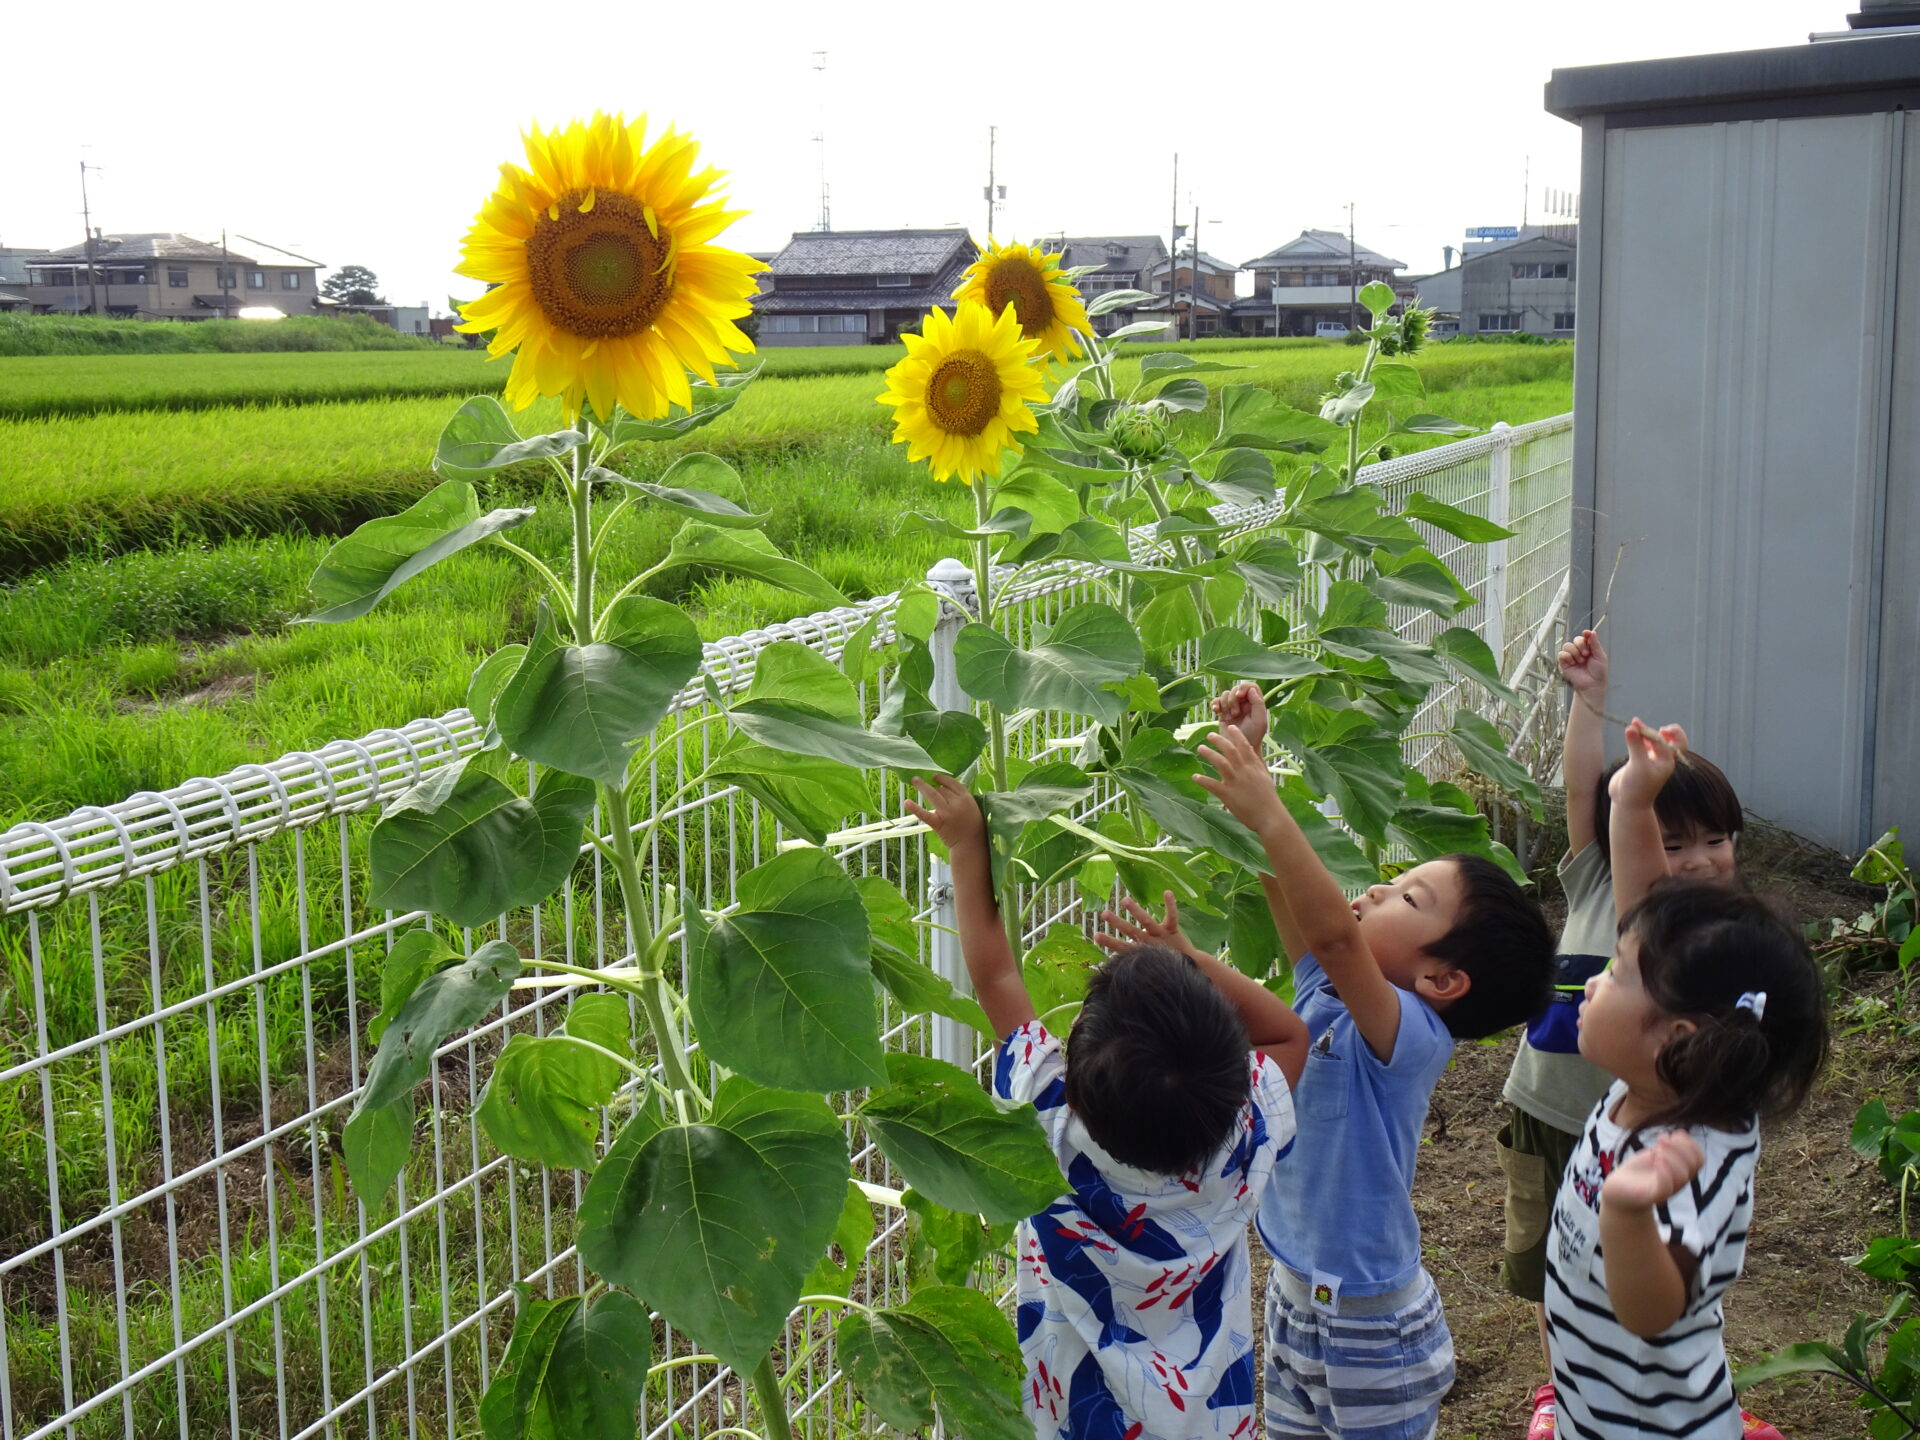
{"type": "Point", "coordinates": [190, 974]}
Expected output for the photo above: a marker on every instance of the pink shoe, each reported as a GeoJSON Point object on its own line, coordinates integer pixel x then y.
{"type": "Point", "coordinates": [1543, 1411]}
{"type": "Point", "coordinates": [1758, 1429]}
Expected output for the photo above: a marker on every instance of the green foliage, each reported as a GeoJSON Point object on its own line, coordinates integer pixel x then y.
{"type": "Point", "coordinates": [943, 1355]}
{"type": "Point", "coordinates": [1883, 937]}
{"type": "Point", "coordinates": [575, 1370]}
{"type": "Point", "coordinates": [33, 335]}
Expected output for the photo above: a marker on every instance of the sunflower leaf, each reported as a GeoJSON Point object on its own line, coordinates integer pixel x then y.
{"type": "Point", "coordinates": [747, 552]}
{"type": "Point", "coordinates": [480, 438]}
{"type": "Point", "coordinates": [382, 555]}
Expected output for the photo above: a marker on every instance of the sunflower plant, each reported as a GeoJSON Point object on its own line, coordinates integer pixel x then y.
{"type": "Point", "coordinates": [710, 1042]}
{"type": "Point", "coordinates": [1119, 471]}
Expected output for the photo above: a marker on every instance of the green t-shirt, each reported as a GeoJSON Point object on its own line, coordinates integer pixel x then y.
{"type": "Point", "coordinates": [1562, 1089]}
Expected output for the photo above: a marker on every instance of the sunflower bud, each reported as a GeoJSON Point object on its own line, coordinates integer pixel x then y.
{"type": "Point", "coordinates": [1413, 329]}
{"type": "Point", "coordinates": [1138, 433]}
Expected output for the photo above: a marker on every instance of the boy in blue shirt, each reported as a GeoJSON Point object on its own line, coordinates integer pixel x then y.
{"type": "Point", "coordinates": [1166, 1117]}
{"type": "Point", "coordinates": [1357, 1343]}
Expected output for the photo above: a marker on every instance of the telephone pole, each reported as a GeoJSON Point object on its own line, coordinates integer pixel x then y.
{"type": "Point", "coordinates": [1173, 246]}
{"type": "Point", "coordinates": [820, 138]}
{"type": "Point", "coordinates": [1353, 276]}
{"type": "Point", "coordinates": [1193, 278]}
{"type": "Point", "coordinates": [992, 132]}
{"type": "Point", "coordinates": [86, 219]}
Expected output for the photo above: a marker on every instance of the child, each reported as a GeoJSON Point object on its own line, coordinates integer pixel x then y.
{"type": "Point", "coordinates": [1357, 1344]}
{"type": "Point", "coordinates": [1710, 1018]}
{"type": "Point", "coordinates": [1134, 1315]}
{"type": "Point", "coordinates": [1550, 1088]}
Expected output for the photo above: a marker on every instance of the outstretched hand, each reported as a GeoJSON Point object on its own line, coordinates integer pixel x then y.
{"type": "Point", "coordinates": [1583, 662]}
{"type": "Point", "coordinates": [1242, 707]}
{"type": "Point", "coordinates": [1143, 929]}
{"type": "Point", "coordinates": [950, 812]}
{"type": "Point", "coordinates": [1651, 755]}
{"type": "Point", "coordinates": [1243, 784]}
{"type": "Point", "coordinates": [1654, 1174]}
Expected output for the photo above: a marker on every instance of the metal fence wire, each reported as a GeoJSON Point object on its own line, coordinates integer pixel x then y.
{"type": "Point", "coordinates": [190, 974]}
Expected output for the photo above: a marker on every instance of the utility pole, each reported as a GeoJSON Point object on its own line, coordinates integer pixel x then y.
{"type": "Point", "coordinates": [1353, 277]}
{"type": "Point", "coordinates": [820, 138]}
{"type": "Point", "coordinates": [1526, 190]}
{"type": "Point", "coordinates": [1173, 247]}
{"type": "Point", "coordinates": [86, 219]}
{"type": "Point", "coordinates": [1193, 279]}
{"type": "Point", "coordinates": [992, 132]}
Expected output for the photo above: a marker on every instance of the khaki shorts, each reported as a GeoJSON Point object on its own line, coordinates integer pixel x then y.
{"type": "Point", "coordinates": [1534, 1155]}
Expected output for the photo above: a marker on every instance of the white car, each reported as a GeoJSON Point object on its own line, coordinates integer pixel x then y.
{"type": "Point", "coordinates": [1329, 330]}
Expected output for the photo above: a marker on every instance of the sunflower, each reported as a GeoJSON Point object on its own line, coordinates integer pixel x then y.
{"type": "Point", "coordinates": [603, 283]}
{"type": "Point", "coordinates": [1028, 279]}
{"type": "Point", "coordinates": [963, 390]}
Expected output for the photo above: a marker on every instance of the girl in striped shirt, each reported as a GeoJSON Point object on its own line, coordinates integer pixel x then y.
{"type": "Point", "coordinates": [1710, 1018]}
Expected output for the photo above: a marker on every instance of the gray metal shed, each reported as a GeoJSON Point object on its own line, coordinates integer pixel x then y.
{"type": "Point", "coordinates": [1747, 413]}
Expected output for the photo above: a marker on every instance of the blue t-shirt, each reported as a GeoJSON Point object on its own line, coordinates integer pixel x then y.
{"type": "Point", "coordinates": [1341, 1208]}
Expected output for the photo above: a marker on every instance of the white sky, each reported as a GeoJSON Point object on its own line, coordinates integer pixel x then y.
{"type": "Point", "coordinates": [369, 134]}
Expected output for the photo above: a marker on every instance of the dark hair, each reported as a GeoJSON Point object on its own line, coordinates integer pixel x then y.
{"type": "Point", "coordinates": [1503, 944]}
{"type": "Point", "coordinates": [1157, 1066]}
{"type": "Point", "coordinates": [1696, 797]}
{"type": "Point", "coordinates": [1702, 948]}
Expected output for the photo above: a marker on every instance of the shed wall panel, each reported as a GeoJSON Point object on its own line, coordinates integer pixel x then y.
{"type": "Point", "coordinates": [1896, 769]}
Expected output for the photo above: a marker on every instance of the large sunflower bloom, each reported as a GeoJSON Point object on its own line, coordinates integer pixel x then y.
{"type": "Point", "coordinates": [963, 390]}
{"type": "Point", "coordinates": [604, 284]}
{"type": "Point", "coordinates": [1028, 279]}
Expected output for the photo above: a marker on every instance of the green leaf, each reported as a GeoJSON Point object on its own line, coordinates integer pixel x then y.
{"type": "Point", "coordinates": [954, 738]}
{"type": "Point", "coordinates": [1419, 579]}
{"type": "Point", "coordinates": [1351, 604]}
{"type": "Point", "coordinates": [1344, 408]}
{"type": "Point", "coordinates": [947, 1354]}
{"type": "Point", "coordinates": [416, 955]}
{"type": "Point", "coordinates": [448, 1000]}
{"type": "Point", "coordinates": [1270, 566]}
{"type": "Point", "coordinates": [915, 988]}
{"type": "Point", "coordinates": [710, 402]}
{"type": "Point", "coordinates": [790, 672]}
{"type": "Point", "coordinates": [376, 1144]}
{"type": "Point", "coordinates": [1871, 1127]}
{"type": "Point", "coordinates": [1251, 416]}
{"type": "Point", "coordinates": [1052, 505]}
{"type": "Point", "coordinates": [1155, 367]}
{"type": "Point", "coordinates": [782, 988]}
{"type": "Point", "coordinates": [749, 553]}
{"type": "Point", "coordinates": [1170, 618]}
{"type": "Point", "coordinates": [1485, 750]}
{"type": "Point", "coordinates": [1120, 300]}
{"type": "Point", "coordinates": [1803, 1359]}
{"type": "Point", "coordinates": [859, 658]}
{"type": "Point", "coordinates": [1253, 939]}
{"type": "Point", "coordinates": [1205, 826]}
{"type": "Point", "coordinates": [1344, 860]}
{"type": "Point", "coordinates": [809, 795]}
{"type": "Point", "coordinates": [799, 730]}
{"type": "Point", "coordinates": [959, 1145]}
{"type": "Point", "coordinates": [1411, 663]}
{"type": "Point", "coordinates": [481, 438]}
{"type": "Point", "coordinates": [853, 1232]}
{"type": "Point", "coordinates": [698, 486]}
{"type": "Point", "coordinates": [1141, 327]}
{"type": "Point", "coordinates": [1353, 519]}
{"type": "Point", "coordinates": [544, 1099]}
{"type": "Point", "coordinates": [1181, 394]}
{"type": "Point", "coordinates": [1461, 524]}
{"type": "Point", "coordinates": [1240, 477]}
{"type": "Point", "coordinates": [463, 845]}
{"type": "Point", "coordinates": [1057, 968]}
{"type": "Point", "coordinates": [718, 1223]}
{"type": "Point", "coordinates": [1088, 647]}
{"type": "Point", "coordinates": [1468, 653]}
{"type": "Point", "coordinates": [1378, 297]}
{"type": "Point", "coordinates": [581, 708]}
{"type": "Point", "coordinates": [949, 1243]}
{"type": "Point", "coordinates": [1431, 425]}
{"type": "Point", "coordinates": [575, 1370]}
{"type": "Point", "coordinates": [917, 612]}
{"type": "Point", "coordinates": [1233, 654]}
{"type": "Point", "coordinates": [484, 686]}
{"type": "Point", "coordinates": [1394, 381]}
{"type": "Point", "coordinates": [382, 555]}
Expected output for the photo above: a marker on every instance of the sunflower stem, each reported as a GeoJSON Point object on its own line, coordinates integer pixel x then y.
{"type": "Point", "coordinates": [580, 493]}
{"type": "Point", "coordinates": [773, 1401]}
{"type": "Point", "coordinates": [996, 723]}
{"type": "Point", "coordinates": [1181, 544]}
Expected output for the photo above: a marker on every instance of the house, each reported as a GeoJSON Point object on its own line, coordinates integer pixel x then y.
{"type": "Point", "coordinates": [858, 287]}
{"type": "Point", "coordinates": [1525, 284]}
{"type": "Point", "coordinates": [1123, 262]}
{"type": "Point", "coordinates": [407, 319]}
{"type": "Point", "coordinates": [161, 275]}
{"type": "Point", "coordinates": [1214, 303]}
{"type": "Point", "coordinates": [1309, 281]}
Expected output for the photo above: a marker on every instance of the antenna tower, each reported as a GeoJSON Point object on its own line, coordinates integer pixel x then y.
{"type": "Point", "coordinates": [820, 138]}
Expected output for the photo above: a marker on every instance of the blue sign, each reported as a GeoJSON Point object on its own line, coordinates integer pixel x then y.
{"type": "Point", "coordinates": [1493, 232]}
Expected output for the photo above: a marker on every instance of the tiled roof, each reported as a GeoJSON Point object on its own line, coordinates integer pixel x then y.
{"type": "Point", "coordinates": [872, 252]}
{"type": "Point", "coordinates": [839, 302]}
{"type": "Point", "coordinates": [1320, 247]}
{"type": "Point", "coordinates": [159, 245]}
{"type": "Point", "coordinates": [1137, 251]}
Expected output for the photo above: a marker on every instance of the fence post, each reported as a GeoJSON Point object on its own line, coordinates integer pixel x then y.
{"type": "Point", "coordinates": [952, 579]}
{"type": "Point", "coordinates": [1499, 488]}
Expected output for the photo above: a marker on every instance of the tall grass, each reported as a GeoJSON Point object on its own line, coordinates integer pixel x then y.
{"type": "Point", "coordinates": [90, 335]}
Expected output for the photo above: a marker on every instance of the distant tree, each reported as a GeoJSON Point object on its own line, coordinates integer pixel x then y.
{"type": "Point", "coordinates": [353, 285]}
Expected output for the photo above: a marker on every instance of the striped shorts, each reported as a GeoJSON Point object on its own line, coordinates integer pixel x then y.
{"type": "Point", "coordinates": [1376, 1376]}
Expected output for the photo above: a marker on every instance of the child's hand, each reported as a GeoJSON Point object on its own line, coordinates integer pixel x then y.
{"type": "Point", "coordinates": [1654, 1174]}
{"type": "Point", "coordinates": [954, 814]}
{"type": "Point", "coordinates": [1651, 756]}
{"type": "Point", "coordinates": [1143, 929]}
{"type": "Point", "coordinates": [1243, 785]}
{"type": "Point", "coordinates": [1242, 707]}
{"type": "Point", "coordinates": [1583, 662]}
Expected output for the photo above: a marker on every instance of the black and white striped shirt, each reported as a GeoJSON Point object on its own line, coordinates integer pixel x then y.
{"type": "Point", "coordinates": [1608, 1381]}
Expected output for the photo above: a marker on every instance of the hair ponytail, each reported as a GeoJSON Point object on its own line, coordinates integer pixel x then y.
{"type": "Point", "coordinates": [1745, 978]}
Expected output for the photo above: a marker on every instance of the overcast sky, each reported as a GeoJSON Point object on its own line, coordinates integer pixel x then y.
{"type": "Point", "coordinates": [369, 134]}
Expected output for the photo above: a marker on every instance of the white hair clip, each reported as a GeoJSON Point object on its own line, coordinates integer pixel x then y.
{"type": "Point", "coordinates": [1754, 1001]}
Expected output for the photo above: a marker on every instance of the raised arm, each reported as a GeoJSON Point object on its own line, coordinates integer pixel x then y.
{"type": "Point", "coordinates": [1272, 1027]}
{"type": "Point", "coordinates": [1648, 1280]}
{"type": "Point", "coordinates": [1242, 707]}
{"type": "Point", "coordinates": [1319, 909]}
{"type": "Point", "coordinates": [954, 815]}
{"type": "Point", "coordinates": [1639, 853]}
{"type": "Point", "coordinates": [1583, 665]}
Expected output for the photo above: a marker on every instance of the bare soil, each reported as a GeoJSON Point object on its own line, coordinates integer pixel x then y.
{"type": "Point", "coordinates": [1816, 1204]}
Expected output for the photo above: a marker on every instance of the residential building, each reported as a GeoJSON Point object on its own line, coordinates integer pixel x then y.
{"type": "Point", "coordinates": [1309, 281]}
{"type": "Point", "coordinates": [1524, 285]}
{"type": "Point", "coordinates": [166, 276]}
{"type": "Point", "coordinates": [1213, 303]}
{"type": "Point", "coordinates": [13, 277]}
{"type": "Point", "coordinates": [1123, 262]}
{"type": "Point", "coordinates": [858, 287]}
